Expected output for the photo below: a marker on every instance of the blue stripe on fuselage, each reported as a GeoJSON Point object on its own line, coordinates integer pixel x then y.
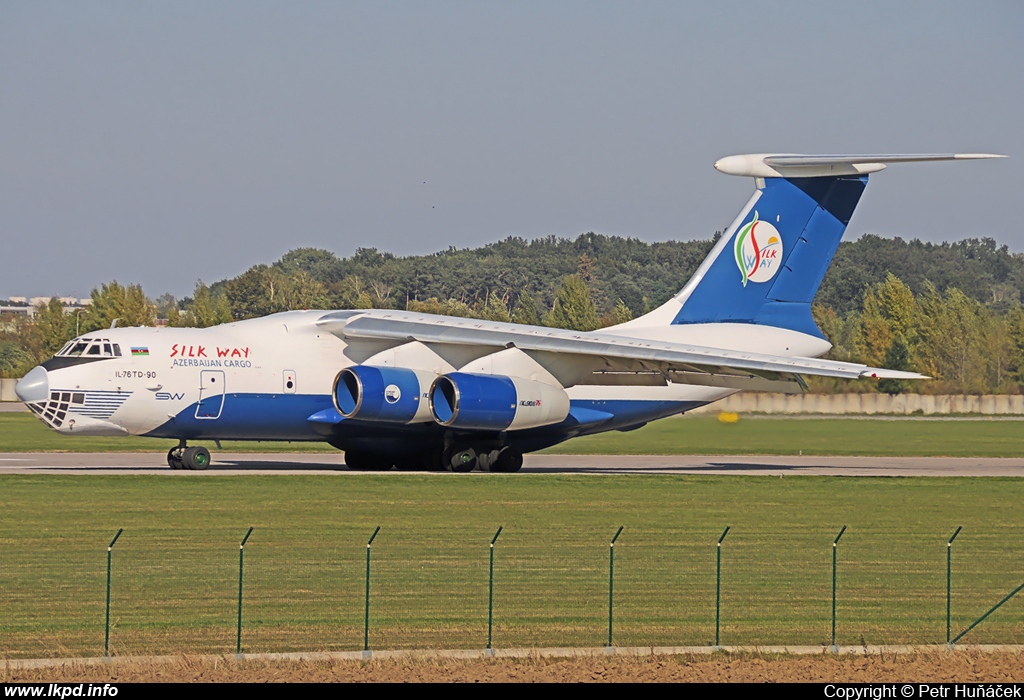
{"type": "Point", "coordinates": [251, 417]}
{"type": "Point", "coordinates": [291, 417]}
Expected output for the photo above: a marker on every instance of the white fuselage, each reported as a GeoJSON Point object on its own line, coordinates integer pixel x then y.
{"type": "Point", "coordinates": [262, 379]}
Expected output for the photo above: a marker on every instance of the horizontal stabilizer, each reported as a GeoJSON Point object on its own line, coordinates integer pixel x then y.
{"type": "Point", "coordinates": [798, 165]}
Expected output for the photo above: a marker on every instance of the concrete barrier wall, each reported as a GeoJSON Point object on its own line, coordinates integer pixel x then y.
{"type": "Point", "coordinates": [7, 390]}
{"type": "Point", "coordinates": [902, 404]}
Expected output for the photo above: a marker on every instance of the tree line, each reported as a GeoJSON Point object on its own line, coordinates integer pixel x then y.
{"type": "Point", "coordinates": [950, 310]}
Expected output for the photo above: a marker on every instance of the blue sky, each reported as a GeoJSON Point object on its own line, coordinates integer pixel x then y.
{"type": "Point", "coordinates": [162, 143]}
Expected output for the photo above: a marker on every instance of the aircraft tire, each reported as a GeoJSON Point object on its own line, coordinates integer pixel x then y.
{"type": "Point", "coordinates": [461, 459]}
{"type": "Point", "coordinates": [174, 458]}
{"type": "Point", "coordinates": [196, 458]}
{"type": "Point", "coordinates": [509, 460]}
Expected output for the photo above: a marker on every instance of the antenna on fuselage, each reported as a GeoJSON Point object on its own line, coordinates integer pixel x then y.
{"type": "Point", "coordinates": [113, 324]}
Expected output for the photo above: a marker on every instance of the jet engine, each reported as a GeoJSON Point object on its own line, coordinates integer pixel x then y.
{"type": "Point", "coordinates": [385, 394]}
{"type": "Point", "coordinates": [469, 401]}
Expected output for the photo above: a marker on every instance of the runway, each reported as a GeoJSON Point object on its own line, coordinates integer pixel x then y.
{"type": "Point", "coordinates": [236, 464]}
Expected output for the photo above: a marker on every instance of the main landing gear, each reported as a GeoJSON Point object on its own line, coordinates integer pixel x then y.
{"type": "Point", "coordinates": [466, 458]}
{"type": "Point", "coordinates": [183, 457]}
{"type": "Point", "coordinates": [359, 460]}
{"type": "Point", "coordinates": [508, 460]}
{"type": "Point", "coordinates": [460, 458]}
{"type": "Point", "coordinates": [368, 461]}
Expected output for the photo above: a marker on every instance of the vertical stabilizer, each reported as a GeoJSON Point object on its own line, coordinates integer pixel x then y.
{"type": "Point", "coordinates": [769, 264]}
{"type": "Point", "coordinates": [770, 267]}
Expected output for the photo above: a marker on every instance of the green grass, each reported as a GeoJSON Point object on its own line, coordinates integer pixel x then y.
{"type": "Point", "coordinates": [20, 432]}
{"type": "Point", "coordinates": [811, 436]}
{"type": "Point", "coordinates": [175, 567]}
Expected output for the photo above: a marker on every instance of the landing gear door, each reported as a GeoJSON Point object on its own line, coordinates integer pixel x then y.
{"type": "Point", "coordinates": [211, 394]}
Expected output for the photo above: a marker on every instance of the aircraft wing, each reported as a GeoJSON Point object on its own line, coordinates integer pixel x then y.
{"type": "Point", "coordinates": [686, 362]}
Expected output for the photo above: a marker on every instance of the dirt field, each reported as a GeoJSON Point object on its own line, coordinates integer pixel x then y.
{"type": "Point", "coordinates": [944, 666]}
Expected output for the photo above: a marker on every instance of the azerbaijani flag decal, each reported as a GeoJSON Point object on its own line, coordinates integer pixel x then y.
{"type": "Point", "coordinates": [140, 352]}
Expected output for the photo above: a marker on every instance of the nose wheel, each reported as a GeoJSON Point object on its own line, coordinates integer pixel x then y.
{"type": "Point", "coordinates": [182, 457]}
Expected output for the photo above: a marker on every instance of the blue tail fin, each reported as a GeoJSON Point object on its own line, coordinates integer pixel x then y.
{"type": "Point", "coordinates": [771, 263]}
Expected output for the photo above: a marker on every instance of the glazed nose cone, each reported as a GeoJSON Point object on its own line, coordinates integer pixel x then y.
{"type": "Point", "coordinates": [34, 386]}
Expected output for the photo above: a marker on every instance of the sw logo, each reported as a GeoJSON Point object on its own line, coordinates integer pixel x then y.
{"type": "Point", "coordinates": [758, 251]}
{"type": "Point", "coordinates": [165, 396]}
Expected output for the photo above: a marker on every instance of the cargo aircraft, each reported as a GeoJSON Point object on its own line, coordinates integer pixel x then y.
{"type": "Point", "coordinates": [419, 391]}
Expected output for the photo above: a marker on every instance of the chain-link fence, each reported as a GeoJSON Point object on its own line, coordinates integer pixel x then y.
{"type": "Point", "coordinates": [304, 588]}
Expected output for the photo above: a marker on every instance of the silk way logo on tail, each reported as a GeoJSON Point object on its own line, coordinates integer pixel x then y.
{"type": "Point", "coordinates": [758, 251]}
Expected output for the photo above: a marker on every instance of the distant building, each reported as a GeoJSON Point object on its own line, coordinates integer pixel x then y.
{"type": "Point", "coordinates": [25, 306]}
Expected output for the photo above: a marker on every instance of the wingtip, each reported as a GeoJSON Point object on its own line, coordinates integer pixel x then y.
{"type": "Point", "coordinates": [978, 156]}
{"type": "Point", "coordinates": [880, 373]}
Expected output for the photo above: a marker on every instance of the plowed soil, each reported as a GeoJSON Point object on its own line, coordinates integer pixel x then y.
{"type": "Point", "coordinates": [931, 667]}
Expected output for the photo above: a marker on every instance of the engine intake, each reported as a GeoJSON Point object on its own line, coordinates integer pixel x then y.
{"type": "Point", "coordinates": [385, 394]}
{"type": "Point", "coordinates": [495, 402]}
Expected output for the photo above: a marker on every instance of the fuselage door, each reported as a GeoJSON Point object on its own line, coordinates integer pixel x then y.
{"type": "Point", "coordinates": [211, 394]}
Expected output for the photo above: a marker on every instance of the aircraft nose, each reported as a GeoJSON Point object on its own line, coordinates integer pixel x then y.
{"type": "Point", "coordinates": [34, 386]}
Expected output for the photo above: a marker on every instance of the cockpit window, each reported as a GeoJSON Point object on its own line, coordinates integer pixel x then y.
{"type": "Point", "coordinates": [90, 347]}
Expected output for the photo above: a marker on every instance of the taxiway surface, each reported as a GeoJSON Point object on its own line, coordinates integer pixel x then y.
{"type": "Point", "coordinates": [298, 463]}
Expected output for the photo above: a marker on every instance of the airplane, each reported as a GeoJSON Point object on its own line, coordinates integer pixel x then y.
{"type": "Point", "coordinates": [415, 391]}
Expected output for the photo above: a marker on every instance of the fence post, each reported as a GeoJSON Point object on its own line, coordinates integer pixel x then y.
{"type": "Point", "coordinates": [106, 634]}
{"type": "Point", "coordinates": [835, 544]}
{"type": "Point", "coordinates": [241, 561]}
{"type": "Point", "coordinates": [718, 585]}
{"type": "Point", "coordinates": [490, 596]}
{"type": "Point", "coordinates": [611, 582]}
{"type": "Point", "coordinates": [949, 580]}
{"type": "Point", "coordinates": [366, 618]}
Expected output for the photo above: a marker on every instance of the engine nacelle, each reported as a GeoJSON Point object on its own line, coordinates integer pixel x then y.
{"type": "Point", "coordinates": [495, 402]}
{"type": "Point", "coordinates": [385, 394]}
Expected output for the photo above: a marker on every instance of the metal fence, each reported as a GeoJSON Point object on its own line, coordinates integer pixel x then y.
{"type": "Point", "coordinates": [428, 588]}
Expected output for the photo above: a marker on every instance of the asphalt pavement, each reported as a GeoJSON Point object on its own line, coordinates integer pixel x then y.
{"type": "Point", "coordinates": [237, 464]}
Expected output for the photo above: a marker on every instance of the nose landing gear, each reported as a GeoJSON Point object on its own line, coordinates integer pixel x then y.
{"type": "Point", "coordinates": [183, 457]}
